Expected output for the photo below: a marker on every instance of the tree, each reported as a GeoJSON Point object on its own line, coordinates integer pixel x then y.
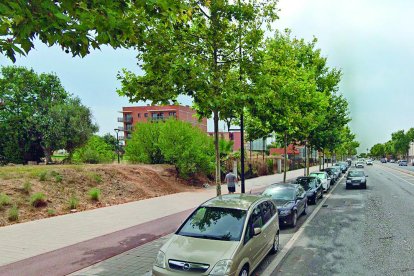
{"type": "Point", "coordinates": [40, 116]}
{"type": "Point", "coordinates": [378, 150]}
{"type": "Point", "coordinates": [77, 26]}
{"type": "Point", "coordinates": [198, 57]}
{"type": "Point", "coordinates": [95, 151]}
{"type": "Point", "coordinates": [401, 142]}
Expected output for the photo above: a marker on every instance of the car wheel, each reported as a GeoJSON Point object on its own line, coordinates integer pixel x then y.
{"type": "Point", "coordinates": [294, 219]}
{"type": "Point", "coordinates": [347, 187]}
{"type": "Point", "coordinates": [315, 199]}
{"type": "Point", "coordinates": [275, 247]}
{"type": "Point", "coordinates": [244, 271]}
{"type": "Point", "coordinates": [305, 209]}
{"type": "Point", "coordinates": [364, 186]}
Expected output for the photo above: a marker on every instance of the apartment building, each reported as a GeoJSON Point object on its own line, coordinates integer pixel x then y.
{"type": "Point", "coordinates": [230, 136]}
{"type": "Point", "coordinates": [138, 114]}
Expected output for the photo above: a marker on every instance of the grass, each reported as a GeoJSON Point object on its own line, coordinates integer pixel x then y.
{"type": "Point", "coordinates": [43, 176]}
{"type": "Point", "coordinates": [95, 194]}
{"type": "Point", "coordinates": [38, 200]}
{"type": "Point", "coordinates": [51, 212]}
{"type": "Point", "coordinates": [13, 213]}
{"type": "Point", "coordinates": [4, 200]}
{"type": "Point", "coordinates": [73, 202]}
{"type": "Point", "coordinates": [27, 187]}
{"type": "Point", "coordinates": [58, 178]}
{"type": "Point", "coordinates": [96, 177]}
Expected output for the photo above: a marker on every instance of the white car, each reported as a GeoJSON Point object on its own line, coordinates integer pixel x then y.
{"type": "Point", "coordinates": [369, 162]}
{"type": "Point", "coordinates": [325, 179]}
{"type": "Point", "coordinates": [359, 164]}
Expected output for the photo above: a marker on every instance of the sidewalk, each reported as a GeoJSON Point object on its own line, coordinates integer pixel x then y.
{"type": "Point", "coordinates": [27, 240]}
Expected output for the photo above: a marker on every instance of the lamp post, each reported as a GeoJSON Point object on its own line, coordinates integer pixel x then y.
{"type": "Point", "coordinates": [117, 143]}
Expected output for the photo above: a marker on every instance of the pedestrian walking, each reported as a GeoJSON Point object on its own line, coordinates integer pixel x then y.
{"type": "Point", "coordinates": [231, 180]}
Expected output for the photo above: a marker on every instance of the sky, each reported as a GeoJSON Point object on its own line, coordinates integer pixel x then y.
{"type": "Point", "coordinates": [371, 41]}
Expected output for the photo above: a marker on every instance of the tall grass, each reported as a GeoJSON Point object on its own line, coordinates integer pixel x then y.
{"type": "Point", "coordinates": [95, 193]}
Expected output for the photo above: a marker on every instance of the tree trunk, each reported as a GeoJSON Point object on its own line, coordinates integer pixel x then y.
{"type": "Point", "coordinates": [285, 159]}
{"type": "Point", "coordinates": [307, 160]}
{"type": "Point", "coordinates": [217, 150]}
{"type": "Point", "coordinates": [264, 141]}
{"type": "Point", "coordinates": [323, 159]}
{"type": "Point", "coordinates": [48, 154]}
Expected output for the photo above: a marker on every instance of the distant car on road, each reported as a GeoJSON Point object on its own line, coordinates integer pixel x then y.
{"type": "Point", "coordinates": [312, 186]}
{"type": "Point", "coordinates": [383, 160]}
{"type": "Point", "coordinates": [356, 178]}
{"type": "Point", "coordinates": [325, 179]}
{"type": "Point", "coordinates": [291, 202]}
{"type": "Point", "coordinates": [226, 235]}
{"type": "Point", "coordinates": [332, 174]}
{"type": "Point", "coordinates": [392, 161]}
{"type": "Point", "coordinates": [359, 164]}
{"type": "Point", "coordinates": [403, 163]}
{"type": "Point", "coordinates": [369, 162]}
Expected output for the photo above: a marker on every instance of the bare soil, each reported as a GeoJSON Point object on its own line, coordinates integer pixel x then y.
{"type": "Point", "coordinates": [118, 184]}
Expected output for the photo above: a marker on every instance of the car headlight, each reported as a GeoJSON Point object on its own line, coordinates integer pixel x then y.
{"type": "Point", "coordinates": [348, 181]}
{"type": "Point", "coordinates": [285, 212]}
{"type": "Point", "coordinates": [160, 260]}
{"type": "Point", "coordinates": [222, 268]}
{"type": "Point", "coordinates": [363, 180]}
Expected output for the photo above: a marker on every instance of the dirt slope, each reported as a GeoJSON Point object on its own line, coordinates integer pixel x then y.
{"type": "Point", "coordinates": [59, 183]}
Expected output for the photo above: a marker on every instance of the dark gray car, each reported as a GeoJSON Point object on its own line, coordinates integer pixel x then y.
{"type": "Point", "coordinates": [356, 178]}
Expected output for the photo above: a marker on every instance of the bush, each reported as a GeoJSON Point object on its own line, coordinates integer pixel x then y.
{"type": "Point", "coordinates": [38, 200]}
{"type": "Point", "coordinates": [58, 178]}
{"type": "Point", "coordinates": [4, 200]}
{"type": "Point", "coordinates": [95, 193]}
{"type": "Point", "coordinates": [73, 202]}
{"type": "Point", "coordinates": [269, 163]}
{"type": "Point", "coordinates": [43, 176]}
{"type": "Point", "coordinates": [27, 187]}
{"type": "Point", "coordinates": [13, 213]}
{"type": "Point", "coordinates": [96, 177]}
{"type": "Point", "coordinates": [51, 212]}
{"type": "Point", "coordinates": [95, 151]}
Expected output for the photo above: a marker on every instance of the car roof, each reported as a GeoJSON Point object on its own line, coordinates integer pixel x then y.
{"type": "Point", "coordinates": [233, 201]}
{"type": "Point", "coordinates": [283, 185]}
{"type": "Point", "coordinates": [305, 177]}
{"type": "Point", "coordinates": [317, 173]}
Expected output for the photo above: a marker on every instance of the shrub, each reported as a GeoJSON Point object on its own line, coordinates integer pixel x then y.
{"type": "Point", "coordinates": [95, 151]}
{"type": "Point", "coordinates": [95, 193]}
{"type": "Point", "coordinates": [27, 187]}
{"type": "Point", "coordinates": [4, 200]}
{"type": "Point", "coordinates": [51, 212]}
{"type": "Point", "coordinates": [43, 176]}
{"type": "Point", "coordinates": [58, 178]}
{"type": "Point", "coordinates": [96, 177]}
{"type": "Point", "coordinates": [73, 202]}
{"type": "Point", "coordinates": [13, 213]}
{"type": "Point", "coordinates": [38, 200]}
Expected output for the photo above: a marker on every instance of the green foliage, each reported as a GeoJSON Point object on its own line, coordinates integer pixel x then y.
{"type": "Point", "coordinates": [94, 151]}
{"type": "Point", "coordinates": [13, 213]}
{"type": "Point", "coordinates": [96, 177]}
{"type": "Point", "coordinates": [95, 194]}
{"type": "Point", "coordinates": [27, 187]}
{"type": "Point", "coordinates": [269, 163]}
{"type": "Point", "coordinates": [4, 200]}
{"type": "Point", "coordinates": [39, 116]}
{"type": "Point", "coordinates": [144, 147]}
{"type": "Point", "coordinates": [378, 150]}
{"type": "Point", "coordinates": [51, 212]}
{"type": "Point", "coordinates": [43, 176]}
{"type": "Point", "coordinates": [38, 200]}
{"type": "Point", "coordinates": [73, 202]}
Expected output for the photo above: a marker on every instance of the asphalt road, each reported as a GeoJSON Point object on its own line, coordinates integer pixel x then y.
{"type": "Point", "coordinates": [359, 232]}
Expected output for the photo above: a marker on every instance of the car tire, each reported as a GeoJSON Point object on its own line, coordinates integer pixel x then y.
{"type": "Point", "coordinates": [305, 209]}
{"type": "Point", "coordinates": [315, 199]}
{"type": "Point", "coordinates": [294, 219]}
{"type": "Point", "coordinates": [276, 244]}
{"type": "Point", "coordinates": [347, 187]}
{"type": "Point", "coordinates": [364, 186]}
{"type": "Point", "coordinates": [244, 271]}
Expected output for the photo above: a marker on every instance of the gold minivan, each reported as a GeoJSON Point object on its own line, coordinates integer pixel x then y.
{"type": "Point", "coordinates": [227, 235]}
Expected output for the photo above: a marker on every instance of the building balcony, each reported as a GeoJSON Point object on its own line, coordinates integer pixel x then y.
{"type": "Point", "coordinates": [125, 119]}
{"type": "Point", "coordinates": [121, 138]}
{"type": "Point", "coordinates": [121, 128]}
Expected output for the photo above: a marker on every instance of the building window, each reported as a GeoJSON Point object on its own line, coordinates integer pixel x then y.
{"type": "Point", "coordinates": [172, 113]}
{"type": "Point", "coordinates": [139, 115]}
{"type": "Point", "coordinates": [145, 115]}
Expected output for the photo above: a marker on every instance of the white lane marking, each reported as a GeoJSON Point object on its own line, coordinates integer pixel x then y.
{"type": "Point", "coordinates": [281, 255]}
{"type": "Point", "coordinates": [399, 177]}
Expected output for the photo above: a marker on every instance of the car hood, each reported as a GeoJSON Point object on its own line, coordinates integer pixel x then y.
{"type": "Point", "coordinates": [205, 251]}
{"type": "Point", "coordinates": [283, 204]}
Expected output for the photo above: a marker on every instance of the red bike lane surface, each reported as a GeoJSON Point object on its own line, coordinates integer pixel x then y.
{"type": "Point", "coordinates": [78, 256]}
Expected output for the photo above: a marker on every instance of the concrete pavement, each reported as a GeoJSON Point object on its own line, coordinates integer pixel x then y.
{"type": "Point", "coordinates": [29, 243]}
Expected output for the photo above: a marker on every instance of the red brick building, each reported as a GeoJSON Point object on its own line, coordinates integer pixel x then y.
{"type": "Point", "coordinates": [150, 113]}
{"type": "Point", "coordinates": [230, 136]}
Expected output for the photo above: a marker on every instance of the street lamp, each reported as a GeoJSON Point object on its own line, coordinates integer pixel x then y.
{"type": "Point", "coordinates": [117, 143]}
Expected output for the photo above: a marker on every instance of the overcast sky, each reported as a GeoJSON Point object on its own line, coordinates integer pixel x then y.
{"type": "Point", "coordinates": [372, 41]}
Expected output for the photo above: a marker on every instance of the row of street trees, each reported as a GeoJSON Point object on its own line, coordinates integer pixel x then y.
{"type": "Point", "coordinates": [213, 51]}
{"type": "Point", "coordinates": [397, 146]}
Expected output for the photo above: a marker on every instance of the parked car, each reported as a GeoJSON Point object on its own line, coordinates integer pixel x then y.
{"type": "Point", "coordinates": [392, 161]}
{"type": "Point", "coordinates": [369, 162]}
{"type": "Point", "coordinates": [359, 164]}
{"type": "Point", "coordinates": [403, 163]}
{"type": "Point", "coordinates": [338, 170]}
{"type": "Point", "coordinates": [291, 202]}
{"type": "Point", "coordinates": [332, 174]}
{"type": "Point", "coordinates": [356, 178]}
{"type": "Point", "coordinates": [226, 235]}
{"type": "Point", "coordinates": [383, 160]}
{"type": "Point", "coordinates": [312, 186]}
{"type": "Point", "coordinates": [343, 166]}
{"type": "Point", "coordinates": [324, 177]}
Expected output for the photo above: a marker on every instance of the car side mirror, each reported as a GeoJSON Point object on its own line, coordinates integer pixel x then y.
{"type": "Point", "coordinates": [257, 231]}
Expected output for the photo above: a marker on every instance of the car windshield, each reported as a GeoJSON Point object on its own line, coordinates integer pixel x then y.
{"type": "Point", "coordinates": [356, 174]}
{"type": "Point", "coordinates": [319, 175]}
{"type": "Point", "coordinates": [280, 193]}
{"type": "Point", "coordinates": [214, 223]}
{"type": "Point", "coordinates": [306, 183]}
